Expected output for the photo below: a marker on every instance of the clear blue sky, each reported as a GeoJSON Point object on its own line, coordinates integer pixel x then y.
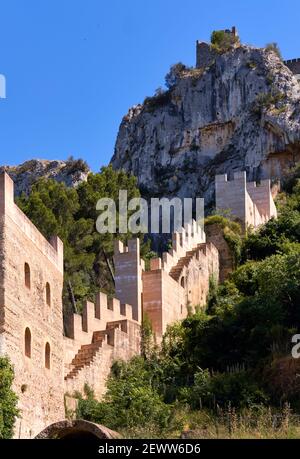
{"type": "Point", "coordinates": [74, 67]}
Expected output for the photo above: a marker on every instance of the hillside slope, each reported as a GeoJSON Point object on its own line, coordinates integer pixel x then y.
{"type": "Point", "coordinates": [71, 172]}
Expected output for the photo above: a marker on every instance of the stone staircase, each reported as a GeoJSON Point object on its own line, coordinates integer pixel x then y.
{"type": "Point", "coordinates": [87, 353]}
{"type": "Point", "coordinates": [84, 357]}
{"type": "Point", "coordinates": [176, 271]}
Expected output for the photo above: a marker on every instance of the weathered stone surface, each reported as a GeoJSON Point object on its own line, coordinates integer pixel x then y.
{"type": "Point", "coordinates": [25, 175]}
{"type": "Point", "coordinates": [25, 312]}
{"type": "Point", "coordinates": [214, 121]}
{"type": "Point", "coordinates": [77, 430]}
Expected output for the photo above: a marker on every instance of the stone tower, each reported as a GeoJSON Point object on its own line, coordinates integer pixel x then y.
{"type": "Point", "coordinates": [205, 55]}
{"type": "Point", "coordinates": [31, 323]}
{"type": "Point", "coordinates": [250, 203]}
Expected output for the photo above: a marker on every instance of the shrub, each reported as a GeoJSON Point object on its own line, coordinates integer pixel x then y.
{"type": "Point", "coordinates": [231, 233]}
{"type": "Point", "coordinates": [265, 101]}
{"type": "Point", "coordinates": [130, 401]}
{"type": "Point", "coordinates": [76, 165]}
{"type": "Point", "coordinates": [160, 99]}
{"type": "Point", "coordinates": [245, 278]}
{"type": "Point", "coordinates": [8, 400]}
{"type": "Point", "coordinates": [222, 41]}
{"type": "Point", "coordinates": [273, 47]}
{"type": "Point", "coordinates": [174, 74]}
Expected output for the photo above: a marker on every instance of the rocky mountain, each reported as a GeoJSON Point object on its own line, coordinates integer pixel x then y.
{"type": "Point", "coordinates": [240, 112]}
{"type": "Point", "coordinates": [71, 172]}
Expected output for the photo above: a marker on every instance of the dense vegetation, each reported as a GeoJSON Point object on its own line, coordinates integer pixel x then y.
{"type": "Point", "coordinates": [71, 214]}
{"type": "Point", "coordinates": [8, 400]}
{"type": "Point", "coordinates": [225, 366]}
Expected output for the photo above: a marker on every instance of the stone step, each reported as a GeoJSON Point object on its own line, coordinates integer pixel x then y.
{"type": "Point", "coordinates": [84, 358]}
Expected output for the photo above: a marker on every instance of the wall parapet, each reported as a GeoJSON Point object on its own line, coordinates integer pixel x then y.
{"type": "Point", "coordinates": [96, 316]}
{"type": "Point", "coordinates": [184, 240]}
{"type": "Point", "coordinates": [52, 249]}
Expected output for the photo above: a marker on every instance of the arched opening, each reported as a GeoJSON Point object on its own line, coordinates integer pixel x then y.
{"type": "Point", "coordinates": [47, 356]}
{"type": "Point", "coordinates": [28, 343]}
{"type": "Point", "coordinates": [27, 275]}
{"type": "Point", "coordinates": [48, 294]}
{"type": "Point", "coordinates": [79, 429]}
{"type": "Point", "coordinates": [182, 282]}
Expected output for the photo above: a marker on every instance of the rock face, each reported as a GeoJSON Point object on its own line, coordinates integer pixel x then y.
{"type": "Point", "coordinates": [71, 172]}
{"type": "Point", "coordinates": [240, 113]}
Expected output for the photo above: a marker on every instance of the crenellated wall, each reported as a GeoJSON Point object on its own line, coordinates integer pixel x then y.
{"type": "Point", "coordinates": [104, 332]}
{"type": "Point", "coordinates": [161, 293]}
{"type": "Point", "coordinates": [182, 241]}
{"type": "Point", "coordinates": [294, 66]}
{"type": "Point", "coordinates": [169, 294]}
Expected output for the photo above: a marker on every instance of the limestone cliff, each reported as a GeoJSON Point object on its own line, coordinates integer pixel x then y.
{"type": "Point", "coordinates": [240, 112]}
{"type": "Point", "coordinates": [70, 172]}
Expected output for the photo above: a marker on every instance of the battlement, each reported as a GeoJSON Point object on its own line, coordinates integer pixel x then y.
{"type": "Point", "coordinates": [294, 66]}
{"type": "Point", "coordinates": [91, 362]}
{"type": "Point", "coordinates": [96, 316]}
{"type": "Point", "coordinates": [52, 249]}
{"type": "Point", "coordinates": [291, 61]}
{"type": "Point", "coordinates": [182, 241]}
{"type": "Point", "coordinates": [251, 203]}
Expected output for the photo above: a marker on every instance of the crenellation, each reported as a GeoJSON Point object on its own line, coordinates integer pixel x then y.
{"type": "Point", "coordinates": [155, 263]}
{"type": "Point", "coordinates": [251, 203]}
{"type": "Point", "coordinates": [126, 310]}
{"type": "Point", "coordinates": [294, 66]}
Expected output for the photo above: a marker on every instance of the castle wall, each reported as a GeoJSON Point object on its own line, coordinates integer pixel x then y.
{"type": "Point", "coordinates": [128, 276]}
{"type": "Point", "coordinates": [294, 66]}
{"type": "Point", "coordinates": [203, 266]}
{"type": "Point", "coordinates": [40, 389]}
{"type": "Point", "coordinates": [261, 195]}
{"type": "Point", "coordinates": [204, 55]}
{"type": "Point", "coordinates": [214, 234]}
{"type": "Point", "coordinates": [152, 299]}
{"type": "Point", "coordinates": [121, 341]}
{"type": "Point", "coordinates": [250, 203]}
{"type": "Point", "coordinates": [164, 300]}
{"type": "Point", "coordinates": [105, 332]}
{"type": "Point", "coordinates": [168, 294]}
{"type": "Point", "coordinates": [227, 193]}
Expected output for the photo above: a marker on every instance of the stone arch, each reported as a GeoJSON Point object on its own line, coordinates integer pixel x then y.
{"type": "Point", "coordinates": [79, 429]}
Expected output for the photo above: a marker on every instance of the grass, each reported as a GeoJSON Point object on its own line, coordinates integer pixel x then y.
{"type": "Point", "coordinates": [255, 423]}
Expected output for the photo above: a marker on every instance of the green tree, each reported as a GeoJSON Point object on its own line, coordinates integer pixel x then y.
{"type": "Point", "coordinates": [8, 400]}
{"type": "Point", "coordinates": [71, 214]}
